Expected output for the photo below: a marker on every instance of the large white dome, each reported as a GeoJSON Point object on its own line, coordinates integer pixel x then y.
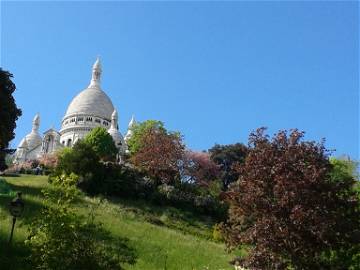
{"type": "Point", "coordinates": [89, 109]}
{"type": "Point", "coordinates": [91, 101]}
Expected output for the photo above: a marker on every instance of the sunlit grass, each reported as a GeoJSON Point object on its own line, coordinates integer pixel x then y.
{"type": "Point", "coordinates": [159, 246]}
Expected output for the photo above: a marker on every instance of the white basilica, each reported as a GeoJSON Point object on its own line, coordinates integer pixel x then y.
{"type": "Point", "coordinates": [89, 109]}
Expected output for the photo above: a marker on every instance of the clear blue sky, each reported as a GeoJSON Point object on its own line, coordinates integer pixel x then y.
{"type": "Point", "coordinates": [214, 71]}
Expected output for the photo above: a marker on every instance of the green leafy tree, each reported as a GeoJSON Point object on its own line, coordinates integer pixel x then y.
{"type": "Point", "coordinates": [9, 113]}
{"type": "Point", "coordinates": [139, 130]}
{"type": "Point", "coordinates": [59, 239]}
{"type": "Point", "coordinates": [102, 143]}
{"type": "Point", "coordinates": [344, 168]}
{"type": "Point", "coordinates": [81, 160]}
{"type": "Point", "coordinates": [288, 208]}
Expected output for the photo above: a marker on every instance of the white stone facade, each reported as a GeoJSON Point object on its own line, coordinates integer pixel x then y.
{"type": "Point", "coordinates": [89, 109]}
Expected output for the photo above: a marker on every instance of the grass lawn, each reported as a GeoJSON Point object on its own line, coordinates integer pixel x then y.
{"type": "Point", "coordinates": [164, 237]}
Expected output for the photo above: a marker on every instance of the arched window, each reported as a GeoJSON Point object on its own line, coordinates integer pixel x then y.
{"type": "Point", "coordinates": [68, 143]}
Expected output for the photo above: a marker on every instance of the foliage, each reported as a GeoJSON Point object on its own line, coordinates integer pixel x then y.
{"type": "Point", "coordinates": [182, 235]}
{"type": "Point", "coordinates": [19, 168]}
{"type": "Point", "coordinates": [288, 209]}
{"type": "Point", "coordinates": [226, 157]}
{"type": "Point", "coordinates": [199, 168]}
{"type": "Point", "coordinates": [80, 243]}
{"type": "Point", "coordinates": [135, 143]}
{"type": "Point", "coordinates": [49, 161]}
{"type": "Point", "coordinates": [344, 168]}
{"type": "Point", "coordinates": [217, 233]}
{"type": "Point", "coordinates": [5, 188]}
{"type": "Point", "coordinates": [159, 155]}
{"type": "Point", "coordinates": [102, 143]}
{"type": "Point", "coordinates": [9, 113]}
{"type": "Point", "coordinates": [81, 160]}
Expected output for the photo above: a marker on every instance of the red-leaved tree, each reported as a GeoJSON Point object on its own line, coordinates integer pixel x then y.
{"type": "Point", "coordinates": [286, 207]}
{"type": "Point", "coordinates": [160, 155]}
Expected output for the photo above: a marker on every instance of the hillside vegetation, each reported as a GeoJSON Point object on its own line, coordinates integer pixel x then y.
{"type": "Point", "coordinates": [163, 237]}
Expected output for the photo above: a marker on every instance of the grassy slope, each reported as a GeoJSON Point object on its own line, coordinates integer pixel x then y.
{"type": "Point", "coordinates": [157, 245]}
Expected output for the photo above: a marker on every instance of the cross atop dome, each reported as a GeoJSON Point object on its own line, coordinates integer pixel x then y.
{"type": "Point", "coordinates": [96, 74]}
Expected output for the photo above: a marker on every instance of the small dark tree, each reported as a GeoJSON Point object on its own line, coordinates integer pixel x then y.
{"type": "Point", "coordinates": [287, 207]}
{"type": "Point", "coordinates": [227, 156]}
{"type": "Point", "coordinates": [199, 168]}
{"type": "Point", "coordinates": [9, 113]}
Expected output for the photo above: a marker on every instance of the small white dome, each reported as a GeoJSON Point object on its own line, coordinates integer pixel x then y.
{"type": "Point", "coordinates": [23, 144]}
{"type": "Point", "coordinates": [33, 139]}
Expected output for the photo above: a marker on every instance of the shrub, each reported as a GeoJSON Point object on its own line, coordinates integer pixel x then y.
{"type": "Point", "coordinates": [217, 233]}
{"type": "Point", "coordinates": [61, 240]}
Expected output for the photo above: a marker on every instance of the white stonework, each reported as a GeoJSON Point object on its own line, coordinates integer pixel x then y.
{"type": "Point", "coordinates": [89, 109]}
{"type": "Point", "coordinates": [129, 133]}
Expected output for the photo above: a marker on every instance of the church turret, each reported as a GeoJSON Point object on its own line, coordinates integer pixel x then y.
{"type": "Point", "coordinates": [36, 123]}
{"type": "Point", "coordinates": [129, 133]}
{"type": "Point", "coordinates": [116, 135]}
{"type": "Point", "coordinates": [96, 74]}
{"type": "Point", "coordinates": [114, 120]}
{"type": "Point", "coordinates": [34, 139]}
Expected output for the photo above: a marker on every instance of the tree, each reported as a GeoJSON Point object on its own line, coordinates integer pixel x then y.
{"type": "Point", "coordinates": [159, 155]}
{"type": "Point", "coordinates": [9, 113]}
{"type": "Point", "coordinates": [199, 168]}
{"type": "Point", "coordinates": [344, 168]}
{"type": "Point", "coordinates": [102, 143]}
{"type": "Point", "coordinates": [287, 208]}
{"type": "Point", "coordinates": [140, 130]}
{"type": "Point", "coordinates": [227, 156]}
{"type": "Point", "coordinates": [81, 160]}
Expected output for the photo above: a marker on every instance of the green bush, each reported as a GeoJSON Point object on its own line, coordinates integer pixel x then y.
{"type": "Point", "coordinates": [61, 240]}
{"type": "Point", "coordinates": [217, 233]}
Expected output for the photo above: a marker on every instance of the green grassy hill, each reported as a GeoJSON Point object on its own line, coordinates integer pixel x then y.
{"type": "Point", "coordinates": [164, 237]}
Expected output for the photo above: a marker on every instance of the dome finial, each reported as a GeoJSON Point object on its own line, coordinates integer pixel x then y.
{"type": "Point", "coordinates": [36, 122]}
{"type": "Point", "coordinates": [132, 121]}
{"type": "Point", "coordinates": [96, 73]}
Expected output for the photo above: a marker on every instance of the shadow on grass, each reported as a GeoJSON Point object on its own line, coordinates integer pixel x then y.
{"type": "Point", "coordinates": [26, 190]}
{"type": "Point", "coordinates": [31, 209]}
{"type": "Point", "coordinates": [13, 256]}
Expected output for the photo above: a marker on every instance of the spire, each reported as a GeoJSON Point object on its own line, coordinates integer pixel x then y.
{"type": "Point", "coordinates": [132, 122]}
{"type": "Point", "coordinates": [96, 74]}
{"type": "Point", "coordinates": [129, 133]}
{"type": "Point", "coordinates": [114, 119]}
{"type": "Point", "coordinates": [36, 123]}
